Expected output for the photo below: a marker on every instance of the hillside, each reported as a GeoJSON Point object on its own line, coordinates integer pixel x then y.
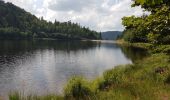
{"type": "Point", "coordinates": [17, 23]}
{"type": "Point", "coordinates": [110, 35]}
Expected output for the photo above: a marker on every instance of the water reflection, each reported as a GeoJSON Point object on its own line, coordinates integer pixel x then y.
{"type": "Point", "coordinates": [45, 66]}
{"type": "Point", "coordinates": [134, 53]}
{"type": "Point", "coordinates": [12, 47]}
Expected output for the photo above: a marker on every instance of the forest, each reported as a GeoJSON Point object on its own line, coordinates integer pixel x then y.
{"type": "Point", "coordinates": [16, 23]}
{"type": "Point", "coordinates": [149, 28]}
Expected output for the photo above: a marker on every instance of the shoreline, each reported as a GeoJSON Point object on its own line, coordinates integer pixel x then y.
{"type": "Point", "coordinates": [142, 79]}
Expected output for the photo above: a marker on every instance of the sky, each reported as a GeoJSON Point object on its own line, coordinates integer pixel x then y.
{"type": "Point", "coordinates": [98, 15]}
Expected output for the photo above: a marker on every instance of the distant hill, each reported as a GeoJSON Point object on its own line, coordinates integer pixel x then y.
{"type": "Point", "coordinates": [15, 22]}
{"type": "Point", "coordinates": [110, 35]}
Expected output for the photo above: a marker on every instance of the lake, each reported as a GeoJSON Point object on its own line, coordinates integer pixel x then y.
{"type": "Point", "coordinates": [44, 66]}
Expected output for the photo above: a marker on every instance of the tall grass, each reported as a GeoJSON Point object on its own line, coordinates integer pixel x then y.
{"type": "Point", "coordinates": [77, 88]}
{"type": "Point", "coordinates": [21, 96]}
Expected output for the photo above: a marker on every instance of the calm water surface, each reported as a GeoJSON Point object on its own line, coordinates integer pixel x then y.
{"type": "Point", "coordinates": [43, 67]}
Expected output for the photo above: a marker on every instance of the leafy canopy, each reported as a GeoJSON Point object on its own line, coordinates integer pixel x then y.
{"type": "Point", "coordinates": [154, 28]}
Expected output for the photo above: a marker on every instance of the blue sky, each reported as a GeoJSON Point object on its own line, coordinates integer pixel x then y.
{"type": "Point", "coordinates": [99, 15]}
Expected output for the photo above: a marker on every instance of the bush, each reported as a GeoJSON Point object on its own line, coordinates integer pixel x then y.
{"type": "Point", "coordinates": [128, 36]}
{"type": "Point", "coordinates": [114, 76]}
{"type": "Point", "coordinates": [77, 87]}
{"type": "Point", "coordinates": [153, 38]}
{"type": "Point", "coordinates": [165, 39]}
{"type": "Point", "coordinates": [97, 85]}
{"type": "Point", "coordinates": [168, 79]}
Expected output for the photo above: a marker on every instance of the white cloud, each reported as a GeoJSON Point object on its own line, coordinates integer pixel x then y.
{"type": "Point", "coordinates": [100, 15]}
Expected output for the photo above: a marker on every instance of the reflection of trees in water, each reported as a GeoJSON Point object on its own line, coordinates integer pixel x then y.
{"type": "Point", "coordinates": [15, 47]}
{"type": "Point", "coordinates": [24, 47]}
{"type": "Point", "coordinates": [110, 45]}
{"type": "Point", "coordinates": [14, 51]}
{"type": "Point", "coordinates": [134, 53]}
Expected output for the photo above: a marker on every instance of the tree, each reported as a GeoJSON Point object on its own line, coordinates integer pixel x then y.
{"type": "Point", "coordinates": [27, 25]}
{"type": "Point", "coordinates": [154, 28]}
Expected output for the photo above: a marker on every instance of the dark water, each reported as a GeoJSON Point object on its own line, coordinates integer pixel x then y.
{"type": "Point", "coordinates": [44, 66]}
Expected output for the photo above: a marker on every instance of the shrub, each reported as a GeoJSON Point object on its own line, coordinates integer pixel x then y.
{"type": "Point", "coordinates": [77, 87]}
{"type": "Point", "coordinates": [165, 39]}
{"type": "Point", "coordinates": [114, 76]}
{"type": "Point", "coordinates": [153, 38]}
{"type": "Point", "coordinates": [97, 85]}
{"type": "Point", "coordinates": [129, 36]}
{"type": "Point", "coordinates": [168, 79]}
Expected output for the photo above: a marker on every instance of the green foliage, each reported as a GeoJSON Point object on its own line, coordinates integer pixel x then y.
{"type": "Point", "coordinates": [97, 85]}
{"type": "Point", "coordinates": [168, 80]}
{"type": "Point", "coordinates": [150, 5]}
{"type": "Point", "coordinates": [17, 23]}
{"type": "Point", "coordinates": [11, 32]}
{"type": "Point", "coordinates": [153, 37]}
{"type": "Point", "coordinates": [154, 27]}
{"type": "Point", "coordinates": [114, 94]}
{"type": "Point", "coordinates": [21, 96]}
{"type": "Point", "coordinates": [114, 76]}
{"type": "Point", "coordinates": [135, 30]}
{"type": "Point", "coordinates": [77, 88]}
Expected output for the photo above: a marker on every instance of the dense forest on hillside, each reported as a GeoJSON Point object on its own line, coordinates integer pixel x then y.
{"type": "Point", "coordinates": [153, 27]}
{"type": "Point", "coordinates": [17, 23]}
{"type": "Point", "coordinates": [111, 35]}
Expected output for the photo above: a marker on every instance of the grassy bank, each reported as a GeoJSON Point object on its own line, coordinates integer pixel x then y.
{"type": "Point", "coordinates": [146, 79]}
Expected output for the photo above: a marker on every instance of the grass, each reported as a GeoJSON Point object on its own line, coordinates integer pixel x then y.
{"type": "Point", "coordinates": [77, 88]}
{"type": "Point", "coordinates": [146, 79]}
{"type": "Point", "coordinates": [20, 96]}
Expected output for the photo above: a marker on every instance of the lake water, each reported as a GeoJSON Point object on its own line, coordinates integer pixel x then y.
{"type": "Point", "coordinates": [42, 66]}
